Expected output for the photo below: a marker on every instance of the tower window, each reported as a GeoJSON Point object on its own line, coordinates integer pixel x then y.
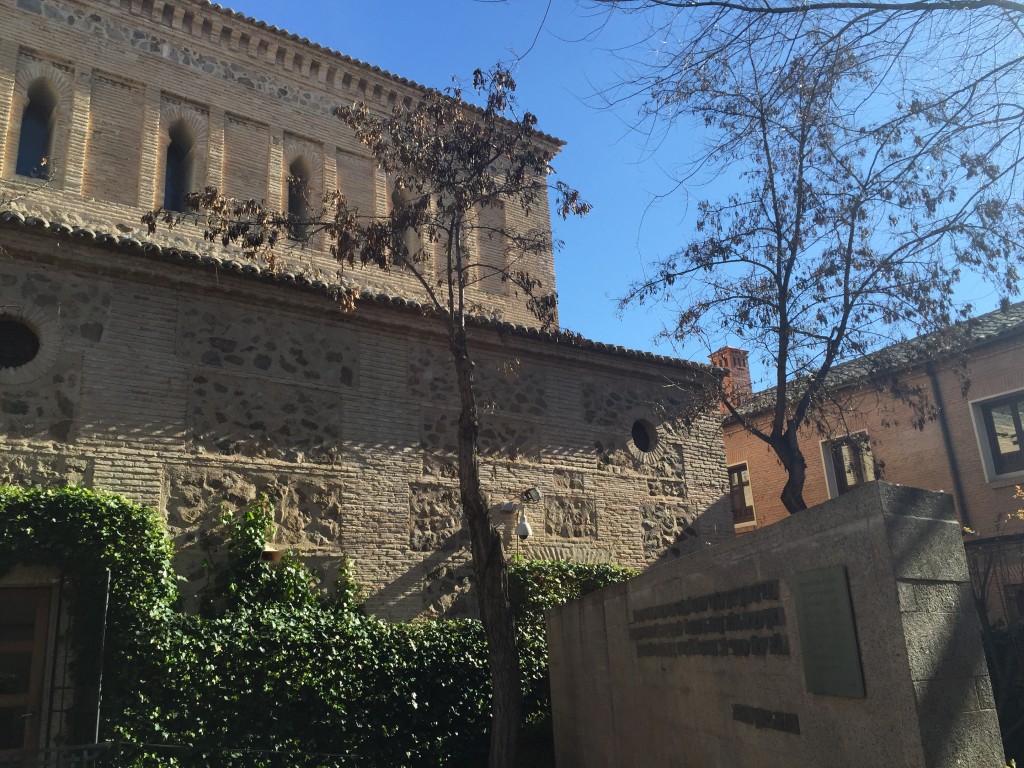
{"type": "Point", "coordinates": [298, 200]}
{"type": "Point", "coordinates": [36, 141]}
{"type": "Point", "coordinates": [178, 170]}
{"type": "Point", "coordinates": [403, 204]}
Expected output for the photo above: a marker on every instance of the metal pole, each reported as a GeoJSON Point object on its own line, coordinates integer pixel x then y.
{"type": "Point", "coordinates": [103, 643]}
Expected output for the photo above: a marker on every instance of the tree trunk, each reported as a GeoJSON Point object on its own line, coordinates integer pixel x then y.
{"type": "Point", "coordinates": [489, 567]}
{"type": "Point", "coordinates": [788, 450]}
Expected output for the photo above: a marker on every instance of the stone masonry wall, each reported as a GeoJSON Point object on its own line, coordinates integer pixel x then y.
{"type": "Point", "coordinates": [125, 72]}
{"type": "Point", "coordinates": [194, 394]}
{"type": "Point", "coordinates": [845, 636]}
{"type": "Point", "coordinates": [194, 391]}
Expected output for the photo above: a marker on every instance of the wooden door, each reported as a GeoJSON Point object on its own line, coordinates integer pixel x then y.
{"type": "Point", "coordinates": [24, 621]}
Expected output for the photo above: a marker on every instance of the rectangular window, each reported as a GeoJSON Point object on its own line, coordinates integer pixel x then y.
{"type": "Point", "coordinates": [849, 462]}
{"type": "Point", "coordinates": [1001, 420]}
{"type": "Point", "coordinates": [742, 498]}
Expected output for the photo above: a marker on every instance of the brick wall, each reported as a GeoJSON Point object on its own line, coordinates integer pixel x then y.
{"type": "Point", "coordinates": [185, 388]}
{"type": "Point", "coordinates": [117, 65]}
{"type": "Point", "coordinates": [906, 455]}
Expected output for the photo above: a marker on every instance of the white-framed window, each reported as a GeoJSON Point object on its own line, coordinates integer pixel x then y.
{"type": "Point", "coordinates": [741, 495]}
{"type": "Point", "coordinates": [848, 462]}
{"type": "Point", "coordinates": [999, 423]}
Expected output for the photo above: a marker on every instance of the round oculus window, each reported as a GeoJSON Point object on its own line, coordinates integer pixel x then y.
{"type": "Point", "coordinates": [645, 436]}
{"type": "Point", "coordinates": [19, 344]}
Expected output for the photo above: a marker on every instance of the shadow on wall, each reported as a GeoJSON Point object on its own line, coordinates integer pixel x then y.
{"type": "Point", "coordinates": [941, 624]}
{"type": "Point", "coordinates": [439, 585]}
{"type": "Point", "coordinates": [668, 535]}
{"type": "Point", "coordinates": [310, 515]}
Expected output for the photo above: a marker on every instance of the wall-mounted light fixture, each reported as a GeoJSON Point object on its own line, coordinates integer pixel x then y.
{"type": "Point", "coordinates": [530, 495]}
{"type": "Point", "coordinates": [271, 554]}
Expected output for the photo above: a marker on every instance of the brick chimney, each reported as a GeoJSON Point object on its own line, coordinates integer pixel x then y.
{"type": "Point", "coordinates": [737, 382]}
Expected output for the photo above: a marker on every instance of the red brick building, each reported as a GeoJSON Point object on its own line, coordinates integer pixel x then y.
{"type": "Point", "coordinates": [973, 449]}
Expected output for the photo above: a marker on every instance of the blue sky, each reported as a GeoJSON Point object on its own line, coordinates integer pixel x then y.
{"type": "Point", "coordinates": [570, 55]}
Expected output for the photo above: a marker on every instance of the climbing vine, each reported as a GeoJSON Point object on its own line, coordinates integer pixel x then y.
{"type": "Point", "coordinates": [86, 535]}
{"type": "Point", "coordinates": [276, 673]}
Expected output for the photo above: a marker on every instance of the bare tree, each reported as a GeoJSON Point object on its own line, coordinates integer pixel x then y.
{"type": "Point", "coordinates": [450, 162]}
{"type": "Point", "coordinates": [866, 184]}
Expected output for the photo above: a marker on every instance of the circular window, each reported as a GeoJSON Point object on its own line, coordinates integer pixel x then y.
{"type": "Point", "coordinates": [19, 344]}
{"type": "Point", "coordinates": [645, 436]}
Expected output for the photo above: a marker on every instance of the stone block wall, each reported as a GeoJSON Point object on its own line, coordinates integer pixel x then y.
{"type": "Point", "coordinates": [255, 99]}
{"type": "Point", "coordinates": [188, 390]}
{"type": "Point", "coordinates": [843, 636]}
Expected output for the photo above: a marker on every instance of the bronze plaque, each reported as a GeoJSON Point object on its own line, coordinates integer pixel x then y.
{"type": "Point", "coordinates": [828, 637]}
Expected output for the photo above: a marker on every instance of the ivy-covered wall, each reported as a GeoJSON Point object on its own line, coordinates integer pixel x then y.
{"type": "Point", "coordinates": [272, 672]}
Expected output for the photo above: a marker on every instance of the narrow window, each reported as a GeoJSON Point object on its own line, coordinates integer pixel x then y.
{"type": "Point", "coordinates": [492, 246]}
{"type": "Point", "coordinates": [36, 141]}
{"type": "Point", "coordinates": [298, 200]}
{"type": "Point", "coordinates": [852, 462]}
{"type": "Point", "coordinates": [403, 204]}
{"type": "Point", "coordinates": [179, 166]}
{"type": "Point", "coordinates": [742, 498]}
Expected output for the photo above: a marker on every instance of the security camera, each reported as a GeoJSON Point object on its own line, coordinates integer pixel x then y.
{"type": "Point", "coordinates": [523, 530]}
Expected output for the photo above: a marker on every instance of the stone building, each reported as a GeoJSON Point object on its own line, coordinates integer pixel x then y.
{"type": "Point", "coordinates": [185, 378]}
